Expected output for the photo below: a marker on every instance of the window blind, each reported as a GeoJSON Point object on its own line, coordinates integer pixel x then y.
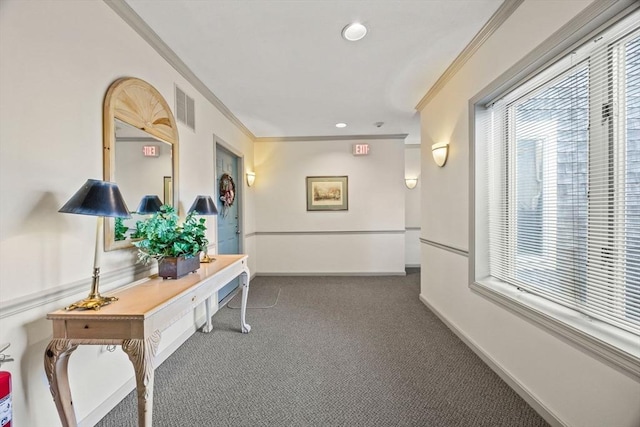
{"type": "Point", "coordinates": [563, 181]}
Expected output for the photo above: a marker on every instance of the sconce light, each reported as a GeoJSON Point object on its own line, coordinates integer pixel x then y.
{"type": "Point", "coordinates": [251, 178]}
{"type": "Point", "coordinates": [440, 152]}
{"type": "Point", "coordinates": [411, 183]}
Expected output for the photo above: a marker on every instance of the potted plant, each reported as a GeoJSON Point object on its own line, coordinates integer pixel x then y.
{"type": "Point", "coordinates": [176, 246]}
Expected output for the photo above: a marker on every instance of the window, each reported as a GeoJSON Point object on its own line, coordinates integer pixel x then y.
{"type": "Point", "coordinates": [561, 183]}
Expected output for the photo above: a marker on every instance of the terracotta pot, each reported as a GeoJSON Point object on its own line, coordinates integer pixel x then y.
{"type": "Point", "coordinates": [174, 268]}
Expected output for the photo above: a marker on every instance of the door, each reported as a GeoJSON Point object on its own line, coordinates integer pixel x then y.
{"type": "Point", "coordinates": [228, 218]}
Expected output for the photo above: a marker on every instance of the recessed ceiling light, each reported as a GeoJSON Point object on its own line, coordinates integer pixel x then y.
{"type": "Point", "coordinates": [341, 125]}
{"type": "Point", "coordinates": [354, 31]}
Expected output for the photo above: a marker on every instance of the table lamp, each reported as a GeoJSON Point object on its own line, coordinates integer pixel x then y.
{"type": "Point", "coordinates": [149, 204]}
{"type": "Point", "coordinates": [96, 198]}
{"type": "Point", "coordinates": [204, 205]}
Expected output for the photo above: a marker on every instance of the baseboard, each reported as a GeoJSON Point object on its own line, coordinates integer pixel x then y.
{"type": "Point", "coordinates": [512, 382]}
{"type": "Point", "coordinates": [130, 385]}
{"type": "Point", "coordinates": [345, 274]}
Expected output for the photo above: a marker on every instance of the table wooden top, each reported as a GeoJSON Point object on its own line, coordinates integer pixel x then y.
{"type": "Point", "coordinates": [143, 298]}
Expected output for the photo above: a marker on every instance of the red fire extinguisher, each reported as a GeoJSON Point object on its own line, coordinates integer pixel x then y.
{"type": "Point", "coordinates": [5, 390]}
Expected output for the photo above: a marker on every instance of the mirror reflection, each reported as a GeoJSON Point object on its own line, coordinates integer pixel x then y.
{"type": "Point", "coordinates": [143, 171]}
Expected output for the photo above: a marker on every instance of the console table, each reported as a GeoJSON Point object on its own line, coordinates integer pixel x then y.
{"type": "Point", "coordinates": [135, 322]}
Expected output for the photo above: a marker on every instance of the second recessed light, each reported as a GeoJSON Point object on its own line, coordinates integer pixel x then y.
{"type": "Point", "coordinates": [341, 125]}
{"type": "Point", "coordinates": [354, 32]}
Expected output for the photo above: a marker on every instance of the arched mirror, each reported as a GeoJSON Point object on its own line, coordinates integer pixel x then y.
{"type": "Point", "coordinates": [140, 152]}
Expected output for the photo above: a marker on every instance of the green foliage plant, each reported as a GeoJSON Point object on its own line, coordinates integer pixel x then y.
{"type": "Point", "coordinates": [164, 236]}
{"type": "Point", "coordinates": [120, 230]}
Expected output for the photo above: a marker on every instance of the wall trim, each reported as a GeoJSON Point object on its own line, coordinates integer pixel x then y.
{"type": "Point", "coordinates": [587, 334]}
{"type": "Point", "coordinates": [445, 247]}
{"type": "Point", "coordinates": [139, 26]}
{"type": "Point", "coordinates": [339, 274]}
{"type": "Point", "coordinates": [335, 232]}
{"type": "Point", "coordinates": [413, 228]}
{"type": "Point", "coordinates": [580, 29]}
{"type": "Point", "coordinates": [252, 234]}
{"type": "Point", "coordinates": [412, 145]}
{"type": "Point", "coordinates": [505, 375]}
{"type": "Point", "coordinates": [108, 281]}
{"type": "Point", "coordinates": [497, 19]}
{"type": "Point", "coordinates": [401, 136]}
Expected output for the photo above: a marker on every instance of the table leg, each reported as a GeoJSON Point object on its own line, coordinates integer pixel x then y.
{"type": "Point", "coordinates": [208, 327]}
{"type": "Point", "coordinates": [142, 352]}
{"type": "Point", "coordinates": [56, 359]}
{"type": "Point", "coordinates": [244, 282]}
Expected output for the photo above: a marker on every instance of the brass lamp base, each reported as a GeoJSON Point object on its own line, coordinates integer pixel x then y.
{"type": "Point", "coordinates": [206, 259]}
{"type": "Point", "coordinates": [92, 302]}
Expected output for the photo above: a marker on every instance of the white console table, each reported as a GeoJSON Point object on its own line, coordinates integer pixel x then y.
{"type": "Point", "coordinates": [135, 322]}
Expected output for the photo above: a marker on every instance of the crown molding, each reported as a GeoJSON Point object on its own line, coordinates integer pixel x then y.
{"type": "Point", "coordinates": [139, 26]}
{"type": "Point", "coordinates": [497, 19]}
{"type": "Point", "coordinates": [400, 136]}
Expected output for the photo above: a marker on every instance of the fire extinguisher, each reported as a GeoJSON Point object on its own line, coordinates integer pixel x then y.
{"type": "Point", "coordinates": [5, 390]}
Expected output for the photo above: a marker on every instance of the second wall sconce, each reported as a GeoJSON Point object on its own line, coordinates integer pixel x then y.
{"type": "Point", "coordinates": [411, 183]}
{"type": "Point", "coordinates": [251, 178]}
{"type": "Point", "coordinates": [440, 151]}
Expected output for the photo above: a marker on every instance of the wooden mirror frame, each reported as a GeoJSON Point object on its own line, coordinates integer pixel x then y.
{"type": "Point", "coordinates": [140, 105]}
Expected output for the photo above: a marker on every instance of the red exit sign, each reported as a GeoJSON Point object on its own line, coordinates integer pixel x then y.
{"type": "Point", "coordinates": [360, 149]}
{"type": "Point", "coordinates": [151, 151]}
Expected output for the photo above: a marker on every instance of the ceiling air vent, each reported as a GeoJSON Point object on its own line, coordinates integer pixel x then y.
{"type": "Point", "coordinates": [185, 109]}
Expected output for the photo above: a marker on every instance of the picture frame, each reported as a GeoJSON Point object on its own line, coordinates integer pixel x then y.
{"type": "Point", "coordinates": [327, 193]}
{"type": "Point", "coordinates": [168, 190]}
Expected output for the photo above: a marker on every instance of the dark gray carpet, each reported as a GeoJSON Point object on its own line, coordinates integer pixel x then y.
{"type": "Point", "coordinates": [333, 351]}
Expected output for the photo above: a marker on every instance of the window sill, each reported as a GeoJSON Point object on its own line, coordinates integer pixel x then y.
{"type": "Point", "coordinates": [619, 348]}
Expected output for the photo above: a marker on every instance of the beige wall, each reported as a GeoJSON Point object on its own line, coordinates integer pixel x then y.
{"type": "Point", "coordinates": [58, 59]}
{"type": "Point", "coordinates": [569, 383]}
{"type": "Point", "coordinates": [412, 206]}
{"type": "Point", "coordinates": [368, 238]}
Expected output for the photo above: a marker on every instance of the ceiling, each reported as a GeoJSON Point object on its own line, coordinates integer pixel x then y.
{"type": "Point", "coordinates": [283, 69]}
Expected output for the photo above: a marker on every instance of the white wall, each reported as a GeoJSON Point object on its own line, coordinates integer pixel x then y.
{"type": "Point", "coordinates": [368, 238]}
{"type": "Point", "coordinates": [571, 384]}
{"type": "Point", "coordinates": [58, 59]}
{"type": "Point", "coordinates": [412, 206]}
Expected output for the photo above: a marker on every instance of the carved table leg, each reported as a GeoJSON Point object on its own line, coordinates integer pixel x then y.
{"type": "Point", "coordinates": [56, 360]}
{"type": "Point", "coordinates": [244, 280]}
{"type": "Point", "coordinates": [142, 354]}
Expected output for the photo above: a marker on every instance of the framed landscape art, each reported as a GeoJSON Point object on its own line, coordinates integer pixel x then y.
{"type": "Point", "coordinates": [327, 193]}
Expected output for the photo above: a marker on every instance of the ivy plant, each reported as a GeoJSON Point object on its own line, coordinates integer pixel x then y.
{"type": "Point", "coordinates": [162, 235]}
{"type": "Point", "coordinates": [120, 230]}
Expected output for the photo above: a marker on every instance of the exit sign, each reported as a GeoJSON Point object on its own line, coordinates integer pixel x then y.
{"type": "Point", "coordinates": [360, 149]}
{"type": "Point", "coordinates": [151, 150]}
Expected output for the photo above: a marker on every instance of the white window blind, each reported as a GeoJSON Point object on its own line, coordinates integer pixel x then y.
{"type": "Point", "coordinates": [563, 187]}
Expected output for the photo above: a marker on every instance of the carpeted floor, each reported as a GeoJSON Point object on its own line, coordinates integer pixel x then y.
{"type": "Point", "coordinates": [332, 351]}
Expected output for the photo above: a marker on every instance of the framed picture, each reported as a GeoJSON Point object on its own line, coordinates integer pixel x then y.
{"type": "Point", "coordinates": [327, 193]}
{"type": "Point", "coordinates": [168, 190]}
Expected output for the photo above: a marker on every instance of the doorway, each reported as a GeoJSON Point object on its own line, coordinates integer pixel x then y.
{"type": "Point", "coordinates": [228, 188]}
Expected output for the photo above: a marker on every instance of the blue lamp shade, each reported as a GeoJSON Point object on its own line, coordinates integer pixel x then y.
{"type": "Point", "coordinates": [149, 204]}
{"type": "Point", "coordinates": [97, 198]}
{"type": "Point", "coordinates": [203, 205]}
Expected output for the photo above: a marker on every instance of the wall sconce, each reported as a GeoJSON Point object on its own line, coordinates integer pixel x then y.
{"type": "Point", "coordinates": [251, 178]}
{"type": "Point", "coordinates": [440, 151]}
{"type": "Point", "coordinates": [411, 183]}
